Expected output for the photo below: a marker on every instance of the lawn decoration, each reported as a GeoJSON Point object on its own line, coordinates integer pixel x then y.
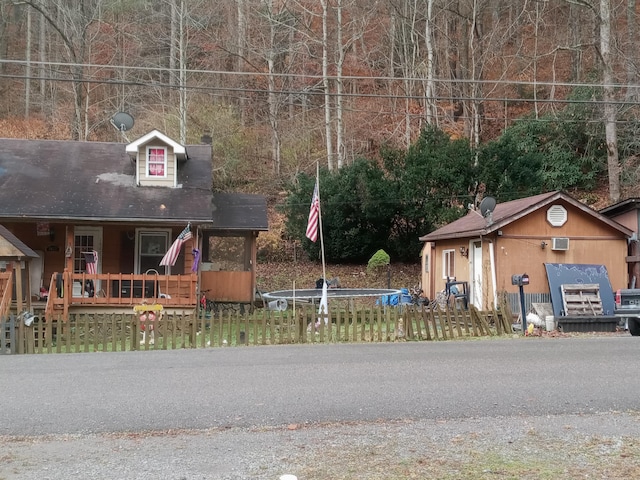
{"type": "Point", "coordinates": [148, 315]}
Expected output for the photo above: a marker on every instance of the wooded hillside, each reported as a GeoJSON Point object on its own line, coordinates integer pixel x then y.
{"type": "Point", "coordinates": [283, 85]}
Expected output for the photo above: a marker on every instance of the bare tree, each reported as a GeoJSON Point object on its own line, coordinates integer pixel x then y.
{"type": "Point", "coordinates": [340, 47]}
{"type": "Point", "coordinates": [4, 24]}
{"type": "Point", "coordinates": [632, 58]}
{"type": "Point", "coordinates": [430, 110]}
{"type": "Point", "coordinates": [71, 22]}
{"type": "Point", "coordinates": [273, 100]}
{"type": "Point", "coordinates": [610, 109]}
{"type": "Point", "coordinates": [326, 83]}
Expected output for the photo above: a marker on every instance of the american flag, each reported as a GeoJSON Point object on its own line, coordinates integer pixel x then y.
{"type": "Point", "coordinates": [312, 224]}
{"type": "Point", "coordinates": [91, 260]}
{"type": "Point", "coordinates": [171, 256]}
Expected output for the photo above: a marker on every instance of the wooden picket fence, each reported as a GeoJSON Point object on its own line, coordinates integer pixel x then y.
{"type": "Point", "coordinates": [123, 332]}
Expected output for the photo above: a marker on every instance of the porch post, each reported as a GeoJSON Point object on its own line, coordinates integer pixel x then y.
{"type": "Point", "coordinates": [68, 252]}
{"type": "Point", "coordinates": [254, 256]}
{"type": "Point", "coordinates": [21, 332]}
{"type": "Point", "coordinates": [18, 269]}
{"type": "Point", "coordinates": [67, 289]}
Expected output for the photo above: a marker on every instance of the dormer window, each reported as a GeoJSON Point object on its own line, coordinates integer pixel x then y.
{"type": "Point", "coordinates": [156, 162]}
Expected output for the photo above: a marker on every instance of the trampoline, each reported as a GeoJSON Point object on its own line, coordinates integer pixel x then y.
{"type": "Point", "coordinates": [316, 293]}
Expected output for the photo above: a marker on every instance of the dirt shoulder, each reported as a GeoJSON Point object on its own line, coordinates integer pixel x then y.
{"type": "Point", "coordinates": [551, 447]}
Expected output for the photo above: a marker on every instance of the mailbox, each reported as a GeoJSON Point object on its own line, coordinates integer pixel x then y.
{"type": "Point", "coordinates": [520, 280]}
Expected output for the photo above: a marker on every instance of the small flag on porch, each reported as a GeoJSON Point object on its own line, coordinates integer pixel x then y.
{"type": "Point", "coordinates": [171, 256]}
{"type": "Point", "coordinates": [196, 260]}
{"type": "Point", "coordinates": [91, 261]}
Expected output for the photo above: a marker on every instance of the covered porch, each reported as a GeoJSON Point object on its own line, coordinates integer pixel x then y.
{"type": "Point", "coordinates": [77, 293]}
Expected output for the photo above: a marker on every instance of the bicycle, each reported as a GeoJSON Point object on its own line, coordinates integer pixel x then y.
{"type": "Point", "coordinates": [416, 296]}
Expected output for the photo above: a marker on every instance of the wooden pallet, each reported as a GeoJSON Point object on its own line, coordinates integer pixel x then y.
{"type": "Point", "coordinates": [581, 299]}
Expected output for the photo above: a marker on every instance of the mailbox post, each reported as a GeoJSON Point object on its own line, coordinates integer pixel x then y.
{"type": "Point", "coordinates": [521, 281]}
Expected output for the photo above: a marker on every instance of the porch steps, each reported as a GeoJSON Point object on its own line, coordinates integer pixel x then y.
{"type": "Point", "coordinates": [581, 299]}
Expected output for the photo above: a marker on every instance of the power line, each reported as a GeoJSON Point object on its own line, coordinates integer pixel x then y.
{"type": "Point", "coordinates": [317, 77]}
{"type": "Point", "coordinates": [209, 89]}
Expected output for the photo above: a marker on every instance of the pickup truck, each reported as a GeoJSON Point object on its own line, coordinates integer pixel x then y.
{"type": "Point", "coordinates": [628, 309]}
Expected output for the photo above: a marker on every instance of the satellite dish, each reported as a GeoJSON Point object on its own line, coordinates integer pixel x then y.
{"type": "Point", "coordinates": [487, 205]}
{"type": "Point", "coordinates": [122, 121]}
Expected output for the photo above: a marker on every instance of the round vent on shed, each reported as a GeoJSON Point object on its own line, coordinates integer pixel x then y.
{"type": "Point", "coordinates": [557, 215]}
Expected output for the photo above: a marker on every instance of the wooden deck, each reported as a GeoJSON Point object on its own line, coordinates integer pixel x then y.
{"type": "Point", "coordinates": [72, 293]}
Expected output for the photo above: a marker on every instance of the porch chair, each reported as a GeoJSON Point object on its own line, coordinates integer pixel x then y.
{"type": "Point", "coordinates": [153, 271]}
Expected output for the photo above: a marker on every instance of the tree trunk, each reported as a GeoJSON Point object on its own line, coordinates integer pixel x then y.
{"type": "Point", "coordinates": [610, 113]}
{"type": "Point", "coordinates": [326, 85]}
{"type": "Point", "coordinates": [241, 43]}
{"type": "Point", "coordinates": [340, 144]}
{"type": "Point", "coordinates": [182, 52]}
{"type": "Point", "coordinates": [633, 90]}
{"type": "Point", "coordinates": [430, 87]}
{"type": "Point", "coordinates": [272, 98]}
{"type": "Point", "coordinates": [27, 80]}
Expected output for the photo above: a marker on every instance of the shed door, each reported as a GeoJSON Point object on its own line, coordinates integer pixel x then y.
{"type": "Point", "coordinates": [476, 274]}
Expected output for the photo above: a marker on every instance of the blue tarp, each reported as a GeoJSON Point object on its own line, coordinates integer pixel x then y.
{"type": "Point", "coordinates": [393, 300]}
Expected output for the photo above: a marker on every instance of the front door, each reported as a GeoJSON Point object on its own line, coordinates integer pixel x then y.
{"type": "Point", "coordinates": [86, 240]}
{"type": "Point", "coordinates": [476, 274]}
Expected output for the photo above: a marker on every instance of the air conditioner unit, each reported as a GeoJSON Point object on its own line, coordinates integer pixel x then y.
{"type": "Point", "coordinates": [560, 243]}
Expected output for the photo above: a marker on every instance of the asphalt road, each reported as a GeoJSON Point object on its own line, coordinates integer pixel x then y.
{"type": "Point", "coordinates": [280, 385]}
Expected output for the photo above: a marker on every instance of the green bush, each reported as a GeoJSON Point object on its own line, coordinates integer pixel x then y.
{"type": "Point", "coordinates": [378, 260]}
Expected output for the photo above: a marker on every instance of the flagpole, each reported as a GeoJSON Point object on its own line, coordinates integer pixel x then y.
{"type": "Point", "coordinates": [324, 272]}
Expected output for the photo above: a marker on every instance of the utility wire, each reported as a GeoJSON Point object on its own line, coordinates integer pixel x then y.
{"type": "Point", "coordinates": [451, 98]}
{"type": "Point", "coordinates": [317, 77]}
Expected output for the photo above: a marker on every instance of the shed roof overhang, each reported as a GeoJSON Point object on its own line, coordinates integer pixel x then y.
{"type": "Point", "coordinates": [474, 225]}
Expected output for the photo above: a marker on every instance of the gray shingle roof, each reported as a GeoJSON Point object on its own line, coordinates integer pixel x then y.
{"type": "Point", "coordinates": [239, 211]}
{"type": "Point", "coordinates": [59, 180]}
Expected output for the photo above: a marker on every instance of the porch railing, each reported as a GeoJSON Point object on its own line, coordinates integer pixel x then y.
{"type": "Point", "coordinates": [69, 290]}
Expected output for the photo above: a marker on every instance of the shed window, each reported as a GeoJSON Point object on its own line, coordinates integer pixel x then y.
{"type": "Point", "coordinates": [156, 162]}
{"type": "Point", "coordinates": [448, 263]}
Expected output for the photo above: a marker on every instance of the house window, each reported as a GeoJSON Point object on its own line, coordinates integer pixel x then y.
{"type": "Point", "coordinates": [448, 263]}
{"type": "Point", "coordinates": [156, 162]}
{"type": "Point", "coordinates": [152, 245]}
{"type": "Point", "coordinates": [227, 253]}
{"type": "Point", "coordinates": [426, 264]}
